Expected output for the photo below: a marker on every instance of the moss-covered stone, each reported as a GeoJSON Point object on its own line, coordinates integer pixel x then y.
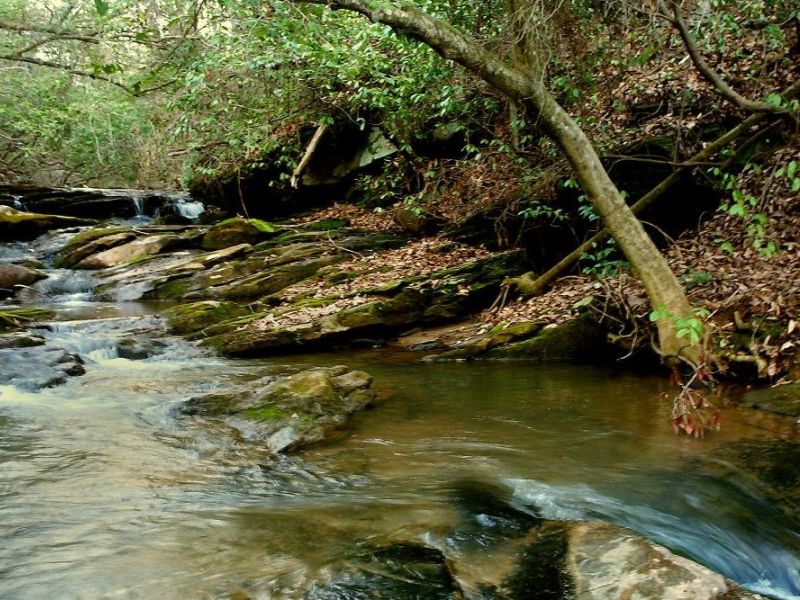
{"type": "Point", "coordinates": [237, 230]}
{"type": "Point", "coordinates": [292, 412]}
{"type": "Point", "coordinates": [481, 344]}
{"type": "Point", "coordinates": [91, 241]}
{"type": "Point", "coordinates": [196, 316]}
{"type": "Point", "coordinates": [781, 399]}
{"type": "Point", "coordinates": [19, 225]}
{"type": "Point", "coordinates": [265, 413]}
{"type": "Point", "coordinates": [15, 318]}
{"type": "Point", "coordinates": [581, 339]}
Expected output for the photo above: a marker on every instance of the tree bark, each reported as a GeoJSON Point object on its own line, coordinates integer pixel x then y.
{"type": "Point", "coordinates": [663, 288]}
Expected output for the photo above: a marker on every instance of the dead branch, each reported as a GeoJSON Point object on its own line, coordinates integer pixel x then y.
{"type": "Point", "coordinates": [301, 166]}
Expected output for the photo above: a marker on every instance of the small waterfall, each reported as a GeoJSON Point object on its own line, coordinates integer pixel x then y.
{"type": "Point", "coordinates": [138, 205]}
{"type": "Point", "coordinates": [18, 203]}
{"type": "Point", "coordinates": [189, 209]}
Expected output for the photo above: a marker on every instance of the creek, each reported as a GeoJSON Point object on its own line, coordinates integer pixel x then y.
{"type": "Point", "coordinates": [105, 492]}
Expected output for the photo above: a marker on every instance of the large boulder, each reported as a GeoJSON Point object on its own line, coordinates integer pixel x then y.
{"type": "Point", "coordinates": [236, 231]}
{"type": "Point", "coordinates": [12, 276]}
{"type": "Point", "coordinates": [292, 412]}
{"type": "Point", "coordinates": [130, 252]}
{"type": "Point", "coordinates": [92, 241]}
{"type": "Point", "coordinates": [20, 225]}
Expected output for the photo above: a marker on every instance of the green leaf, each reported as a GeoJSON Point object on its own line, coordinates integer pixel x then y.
{"type": "Point", "coordinates": [583, 302]}
{"type": "Point", "coordinates": [791, 169]}
{"type": "Point", "coordinates": [796, 184]}
{"type": "Point", "coordinates": [774, 99]}
{"type": "Point", "coordinates": [102, 7]}
{"type": "Point", "coordinates": [737, 210]}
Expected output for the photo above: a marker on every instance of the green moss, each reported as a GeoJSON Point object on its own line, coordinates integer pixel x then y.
{"type": "Point", "coordinates": [139, 259]}
{"type": "Point", "coordinates": [329, 224]}
{"type": "Point", "coordinates": [14, 318]}
{"type": "Point", "coordinates": [262, 226]}
{"type": "Point", "coordinates": [174, 289]}
{"type": "Point", "coordinates": [95, 233]}
{"type": "Point", "coordinates": [189, 318]}
{"type": "Point", "coordinates": [268, 412]}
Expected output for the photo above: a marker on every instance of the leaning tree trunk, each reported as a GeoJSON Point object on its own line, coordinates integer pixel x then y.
{"type": "Point", "coordinates": [663, 288]}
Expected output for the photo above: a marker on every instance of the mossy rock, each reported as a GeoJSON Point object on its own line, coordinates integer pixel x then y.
{"type": "Point", "coordinates": [781, 399]}
{"type": "Point", "coordinates": [581, 339]}
{"type": "Point", "coordinates": [296, 411]}
{"type": "Point", "coordinates": [91, 242]}
{"type": "Point", "coordinates": [18, 225]}
{"type": "Point", "coordinates": [16, 318]}
{"type": "Point", "coordinates": [498, 337]}
{"type": "Point", "coordinates": [196, 316]}
{"type": "Point", "coordinates": [237, 230]}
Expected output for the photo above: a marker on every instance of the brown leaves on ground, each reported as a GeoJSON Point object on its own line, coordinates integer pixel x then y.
{"type": "Point", "coordinates": [357, 218]}
{"type": "Point", "coordinates": [364, 275]}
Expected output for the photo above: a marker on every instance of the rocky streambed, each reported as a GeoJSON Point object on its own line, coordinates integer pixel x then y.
{"type": "Point", "coordinates": [136, 459]}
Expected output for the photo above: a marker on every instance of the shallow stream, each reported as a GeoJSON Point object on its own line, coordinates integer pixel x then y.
{"type": "Point", "coordinates": [106, 493]}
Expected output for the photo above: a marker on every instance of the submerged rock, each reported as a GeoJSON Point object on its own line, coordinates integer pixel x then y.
{"type": "Point", "coordinates": [772, 465]}
{"type": "Point", "coordinates": [292, 412]}
{"type": "Point", "coordinates": [16, 318]}
{"type": "Point", "coordinates": [499, 551]}
{"type": "Point", "coordinates": [19, 225]}
{"type": "Point", "coordinates": [20, 340]}
{"type": "Point", "coordinates": [12, 276]}
{"type": "Point", "coordinates": [392, 572]}
{"type": "Point", "coordinates": [34, 367]}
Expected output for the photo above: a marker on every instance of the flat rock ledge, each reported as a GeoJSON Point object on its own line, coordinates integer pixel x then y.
{"type": "Point", "coordinates": [286, 414]}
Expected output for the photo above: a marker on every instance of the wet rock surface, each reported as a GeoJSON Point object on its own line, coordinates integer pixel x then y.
{"type": "Point", "coordinates": [37, 366]}
{"type": "Point", "coordinates": [13, 276]}
{"type": "Point", "coordinates": [287, 413]}
{"type": "Point", "coordinates": [20, 225]}
{"type": "Point", "coordinates": [499, 551]}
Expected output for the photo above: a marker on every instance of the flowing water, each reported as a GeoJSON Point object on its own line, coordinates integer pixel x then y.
{"type": "Point", "coordinates": [106, 493]}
